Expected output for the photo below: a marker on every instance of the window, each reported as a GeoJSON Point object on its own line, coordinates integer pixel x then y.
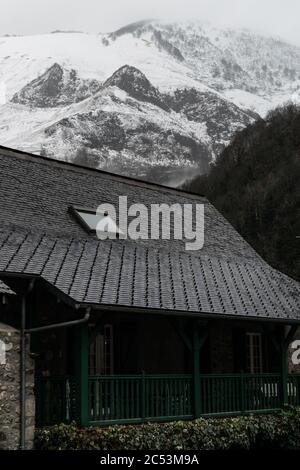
{"type": "Point", "coordinates": [90, 219]}
{"type": "Point", "coordinates": [101, 353]}
{"type": "Point", "coordinates": [254, 353]}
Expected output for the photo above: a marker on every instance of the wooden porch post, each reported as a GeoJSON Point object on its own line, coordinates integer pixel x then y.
{"type": "Point", "coordinates": [82, 345]}
{"type": "Point", "coordinates": [194, 344]}
{"type": "Point", "coordinates": [196, 370]}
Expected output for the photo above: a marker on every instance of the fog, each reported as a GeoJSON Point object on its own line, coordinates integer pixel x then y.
{"type": "Point", "coordinates": [275, 17]}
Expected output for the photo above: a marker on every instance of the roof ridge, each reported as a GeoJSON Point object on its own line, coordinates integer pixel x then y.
{"type": "Point", "coordinates": [126, 179]}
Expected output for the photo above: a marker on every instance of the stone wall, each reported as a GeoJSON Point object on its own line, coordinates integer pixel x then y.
{"type": "Point", "coordinates": [10, 390]}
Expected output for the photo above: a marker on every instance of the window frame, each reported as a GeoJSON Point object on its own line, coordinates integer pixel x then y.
{"type": "Point", "coordinates": [101, 351]}
{"type": "Point", "coordinates": [75, 211]}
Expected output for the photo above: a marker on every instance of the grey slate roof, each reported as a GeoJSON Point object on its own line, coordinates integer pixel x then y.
{"type": "Point", "coordinates": [35, 193]}
{"type": "Point", "coordinates": [38, 236]}
{"type": "Point", "coordinates": [124, 274]}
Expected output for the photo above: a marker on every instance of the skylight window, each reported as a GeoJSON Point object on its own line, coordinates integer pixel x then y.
{"type": "Point", "coordinates": [91, 220]}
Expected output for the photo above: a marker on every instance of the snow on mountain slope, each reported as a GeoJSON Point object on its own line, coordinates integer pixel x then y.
{"type": "Point", "coordinates": [223, 58]}
{"type": "Point", "coordinates": [222, 117]}
{"type": "Point", "coordinates": [152, 99]}
{"type": "Point", "coordinates": [22, 59]}
{"type": "Point", "coordinates": [204, 57]}
{"type": "Point", "coordinates": [127, 126]}
{"type": "Point", "coordinates": [56, 87]}
{"type": "Point", "coordinates": [24, 127]}
{"type": "Point", "coordinates": [136, 84]}
{"type": "Point", "coordinates": [114, 129]}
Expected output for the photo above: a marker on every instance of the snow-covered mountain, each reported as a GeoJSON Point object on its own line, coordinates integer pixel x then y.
{"type": "Point", "coordinates": [152, 100]}
{"type": "Point", "coordinates": [56, 87]}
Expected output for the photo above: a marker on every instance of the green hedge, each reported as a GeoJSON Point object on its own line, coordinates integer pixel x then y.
{"type": "Point", "coordinates": [279, 430]}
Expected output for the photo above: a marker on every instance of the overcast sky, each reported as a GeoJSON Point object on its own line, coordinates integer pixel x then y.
{"type": "Point", "coordinates": [277, 17]}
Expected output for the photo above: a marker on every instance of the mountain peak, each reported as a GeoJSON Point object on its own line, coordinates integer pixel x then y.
{"type": "Point", "coordinates": [130, 28]}
{"type": "Point", "coordinates": [56, 67]}
{"type": "Point", "coordinates": [127, 71]}
{"type": "Point", "coordinates": [56, 87]}
{"type": "Point", "coordinates": [137, 85]}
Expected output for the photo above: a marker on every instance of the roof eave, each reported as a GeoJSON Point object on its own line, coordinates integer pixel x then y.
{"type": "Point", "coordinates": [77, 305]}
{"type": "Point", "coordinates": [187, 313]}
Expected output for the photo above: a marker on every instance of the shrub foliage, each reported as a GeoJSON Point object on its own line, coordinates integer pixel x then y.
{"type": "Point", "coordinates": [279, 430]}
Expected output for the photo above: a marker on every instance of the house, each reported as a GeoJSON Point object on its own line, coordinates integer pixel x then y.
{"type": "Point", "coordinates": [137, 330]}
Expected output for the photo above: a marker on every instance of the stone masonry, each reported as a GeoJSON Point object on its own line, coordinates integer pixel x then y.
{"type": "Point", "coordinates": [10, 390]}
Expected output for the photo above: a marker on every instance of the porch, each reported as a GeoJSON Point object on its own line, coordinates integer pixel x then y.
{"type": "Point", "coordinates": [125, 369]}
{"type": "Point", "coordinates": [144, 398]}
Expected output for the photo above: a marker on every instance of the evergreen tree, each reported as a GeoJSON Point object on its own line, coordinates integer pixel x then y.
{"type": "Point", "coordinates": [255, 184]}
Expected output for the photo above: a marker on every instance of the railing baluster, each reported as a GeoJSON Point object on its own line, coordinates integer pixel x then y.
{"type": "Point", "coordinates": [144, 400]}
{"type": "Point", "coordinates": [190, 395]}
{"type": "Point", "coordinates": [122, 398]}
{"type": "Point", "coordinates": [112, 399]}
{"type": "Point", "coordinates": [132, 401]}
{"type": "Point", "coordinates": [168, 399]}
{"type": "Point", "coordinates": [127, 398]}
{"type": "Point", "coordinates": [138, 406]}
{"type": "Point", "coordinates": [215, 394]}
{"type": "Point", "coordinates": [224, 395]}
{"type": "Point", "coordinates": [231, 393]}
{"type": "Point", "coordinates": [209, 394]}
{"type": "Point", "coordinates": [105, 400]}
{"type": "Point", "coordinates": [203, 393]}
{"type": "Point", "coordinates": [93, 402]}
{"type": "Point", "coordinates": [164, 383]}
{"type": "Point", "coordinates": [117, 392]}
{"type": "Point", "coordinates": [182, 402]}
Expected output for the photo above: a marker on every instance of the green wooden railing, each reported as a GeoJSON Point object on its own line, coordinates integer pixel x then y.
{"type": "Point", "coordinates": [140, 398]}
{"type": "Point", "coordinates": [239, 393]}
{"type": "Point", "coordinates": [294, 389]}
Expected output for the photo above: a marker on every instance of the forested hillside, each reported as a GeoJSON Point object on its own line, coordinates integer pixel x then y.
{"type": "Point", "coordinates": [255, 184]}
